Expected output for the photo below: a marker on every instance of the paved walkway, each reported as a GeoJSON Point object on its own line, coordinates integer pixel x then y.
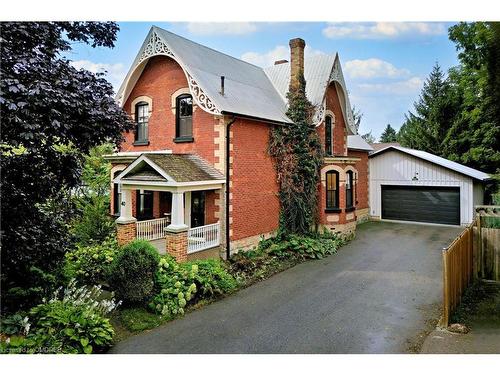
{"type": "Point", "coordinates": [375, 296]}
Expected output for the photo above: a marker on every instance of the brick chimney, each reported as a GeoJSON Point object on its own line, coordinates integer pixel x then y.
{"type": "Point", "coordinates": [297, 46]}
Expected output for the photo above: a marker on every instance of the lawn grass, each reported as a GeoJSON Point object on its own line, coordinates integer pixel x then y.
{"type": "Point", "coordinates": [131, 320]}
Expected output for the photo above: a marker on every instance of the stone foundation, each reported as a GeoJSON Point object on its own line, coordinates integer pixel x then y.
{"type": "Point", "coordinates": [248, 243]}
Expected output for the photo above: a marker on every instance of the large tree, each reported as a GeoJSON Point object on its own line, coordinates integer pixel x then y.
{"type": "Point", "coordinates": [52, 114]}
{"type": "Point", "coordinates": [474, 138]}
{"type": "Point", "coordinates": [426, 127]}
{"type": "Point", "coordinates": [389, 134]}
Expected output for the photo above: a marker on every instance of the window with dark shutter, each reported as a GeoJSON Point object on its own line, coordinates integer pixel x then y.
{"type": "Point", "coordinates": [184, 118]}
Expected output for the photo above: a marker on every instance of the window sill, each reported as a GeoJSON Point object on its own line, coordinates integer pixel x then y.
{"type": "Point", "coordinates": [141, 143]}
{"type": "Point", "coordinates": [350, 209]}
{"type": "Point", "coordinates": [333, 210]}
{"type": "Point", "coordinates": [183, 139]}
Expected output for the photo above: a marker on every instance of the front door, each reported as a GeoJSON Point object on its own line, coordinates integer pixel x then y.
{"type": "Point", "coordinates": [197, 209]}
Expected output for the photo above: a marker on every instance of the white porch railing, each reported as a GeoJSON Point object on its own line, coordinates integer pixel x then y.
{"type": "Point", "coordinates": [205, 237]}
{"type": "Point", "coordinates": [152, 229]}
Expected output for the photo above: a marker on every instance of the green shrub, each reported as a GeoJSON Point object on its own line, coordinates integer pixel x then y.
{"type": "Point", "coordinates": [90, 264]}
{"type": "Point", "coordinates": [315, 246]}
{"type": "Point", "coordinates": [15, 324]}
{"type": "Point", "coordinates": [175, 287]}
{"type": "Point", "coordinates": [73, 321]}
{"type": "Point", "coordinates": [133, 270]}
{"type": "Point", "coordinates": [212, 278]}
{"type": "Point", "coordinates": [181, 284]}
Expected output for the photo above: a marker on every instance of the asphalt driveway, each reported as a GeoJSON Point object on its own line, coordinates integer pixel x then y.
{"type": "Point", "coordinates": [375, 296]}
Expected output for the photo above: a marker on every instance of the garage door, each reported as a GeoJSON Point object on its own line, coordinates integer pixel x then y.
{"type": "Point", "coordinates": [427, 204]}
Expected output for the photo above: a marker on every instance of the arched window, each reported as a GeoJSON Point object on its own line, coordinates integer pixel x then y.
{"type": "Point", "coordinates": [349, 184]}
{"type": "Point", "coordinates": [184, 118]}
{"type": "Point", "coordinates": [141, 120]}
{"type": "Point", "coordinates": [117, 193]}
{"type": "Point", "coordinates": [328, 136]}
{"type": "Point", "coordinates": [332, 190]}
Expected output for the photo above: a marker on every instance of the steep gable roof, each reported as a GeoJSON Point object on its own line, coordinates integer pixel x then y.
{"type": "Point", "coordinates": [249, 90]}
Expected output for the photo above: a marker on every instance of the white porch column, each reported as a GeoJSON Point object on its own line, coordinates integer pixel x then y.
{"type": "Point", "coordinates": [177, 224]}
{"type": "Point", "coordinates": [187, 208]}
{"type": "Point", "coordinates": [126, 207]}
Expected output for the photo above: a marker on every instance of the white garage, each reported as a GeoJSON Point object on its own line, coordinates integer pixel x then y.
{"type": "Point", "coordinates": [413, 185]}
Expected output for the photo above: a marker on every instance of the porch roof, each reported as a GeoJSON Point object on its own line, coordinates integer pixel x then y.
{"type": "Point", "coordinates": [177, 169]}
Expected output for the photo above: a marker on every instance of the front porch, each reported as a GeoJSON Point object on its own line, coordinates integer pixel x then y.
{"type": "Point", "coordinates": [172, 200]}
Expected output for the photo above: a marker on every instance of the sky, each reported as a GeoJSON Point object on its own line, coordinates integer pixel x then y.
{"type": "Point", "coordinates": [384, 64]}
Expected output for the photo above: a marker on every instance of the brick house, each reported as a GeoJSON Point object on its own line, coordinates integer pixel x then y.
{"type": "Point", "coordinates": [195, 176]}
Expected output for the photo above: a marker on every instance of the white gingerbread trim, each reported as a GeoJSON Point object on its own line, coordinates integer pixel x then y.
{"type": "Point", "coordinates": [319, 115]}
{"type": "Point", "coordinates": [155, 45]}
{"type": "Point", "coordinates": [337, 76]}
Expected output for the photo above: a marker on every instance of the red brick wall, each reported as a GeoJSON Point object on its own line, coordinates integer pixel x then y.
{"type": "Point", "coordinates": [339, 128]}
{"type": "Point", "coordinates": [210, 197]}
{"type": "Point", "coordinates": [322, 200]}
{"type": "Point", "coordinates": [254, 187]}
{"type": "Point", "coordinates": [362, 187]}
{"type": "Point", "coordinates": [161, 77]}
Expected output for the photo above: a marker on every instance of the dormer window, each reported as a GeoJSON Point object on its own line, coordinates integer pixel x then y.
{"type": "Point", "coordinates": [141, 120]}
{"type": "Point", "coordinates": [184, 118]}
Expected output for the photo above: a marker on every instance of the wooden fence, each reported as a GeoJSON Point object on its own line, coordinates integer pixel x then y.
{"type": "Point", "coordinates": [458, 266]}
{"type": "Point", "coordinates": [488, 243]}
{"type": "Point", "coordinates": [474, 254]}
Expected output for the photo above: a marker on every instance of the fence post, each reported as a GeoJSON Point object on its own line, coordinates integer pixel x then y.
{"type": "Point", "coordinates": [446, 292]}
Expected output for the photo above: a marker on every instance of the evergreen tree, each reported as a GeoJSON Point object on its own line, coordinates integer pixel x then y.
{"type": "Point", "coordinates": [389, 135]}
{"type": "Point", "coordinates": [298, 156]}
{"type": "Point", "coordinates": [426, 128]}
{"type": "Point", "coordinates": [474, 138]}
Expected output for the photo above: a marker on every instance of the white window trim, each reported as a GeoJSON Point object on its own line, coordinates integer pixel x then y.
{"type": "Point", "coordinates": [173, 98]}
{"type": "Point", "coordinates": [139, 99]}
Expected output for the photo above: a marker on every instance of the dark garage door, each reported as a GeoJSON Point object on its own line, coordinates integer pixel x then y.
{"type": "Point", "coordinates": [427, 204]}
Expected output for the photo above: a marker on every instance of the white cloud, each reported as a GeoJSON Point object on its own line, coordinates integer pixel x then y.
{"type": "Point", "coordinates": [277, 53]}
{"type": "Point", "coordinates": [115, 73]}
{"type": "Point", "coordinates": [411, 86]}
{"type": "Point", "coordinates": [373, 68]}
{"type": "Point", "coordinates": [383, 30]}
{"type": "Point", "coordinates": [220, 28]}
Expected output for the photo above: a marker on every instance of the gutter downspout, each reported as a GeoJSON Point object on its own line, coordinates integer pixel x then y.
{"type": "Point", "coordinates": [228, 179]}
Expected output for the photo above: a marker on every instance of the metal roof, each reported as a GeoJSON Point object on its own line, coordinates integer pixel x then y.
{"type": "Point", "coordinates": [317, 71]}
{"type": "Point", "coordinates": [356, 142]}
{"type": "Point", "coordinates": [249, 90]}
{"type": "Point", "coordinates": [454, 166]}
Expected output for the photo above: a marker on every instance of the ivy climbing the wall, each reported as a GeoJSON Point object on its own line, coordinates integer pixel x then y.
{"type": "Point", "coordinates": [298, 157]}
